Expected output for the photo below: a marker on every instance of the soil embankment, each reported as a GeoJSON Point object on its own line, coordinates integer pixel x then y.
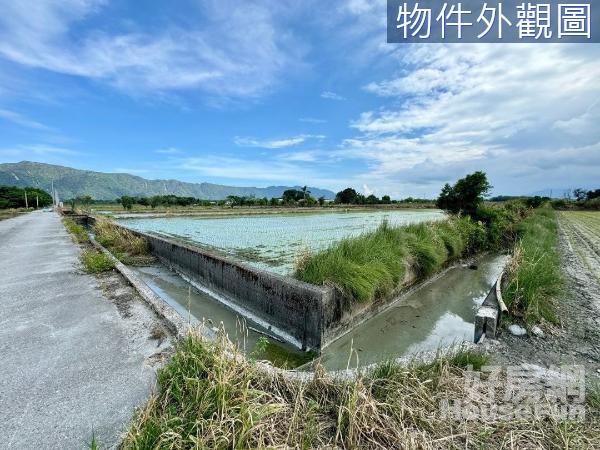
{"type": "Point", "coordinates": [576, 340]}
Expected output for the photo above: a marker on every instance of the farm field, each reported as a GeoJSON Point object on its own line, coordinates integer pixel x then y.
{"type": "Point", "coordinates": [273, 242]}
{"type": "Point", "coordinates": [582, 232]}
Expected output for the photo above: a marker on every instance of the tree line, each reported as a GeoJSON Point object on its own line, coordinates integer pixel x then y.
{"type": "Point", "coordinates": [14, 197]}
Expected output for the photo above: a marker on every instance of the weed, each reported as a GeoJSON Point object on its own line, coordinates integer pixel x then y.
{"type": "Point", "coordinates": [93, 443]}
{"type": "Point", "coordinates": [373, 265]}
{"type": "Point", "coordinates": [95, 262]}
{"type": "Point", "coordinates": [77, 231]}
{"type": "Point", "coordinates": [125, 245]}
{"type": "Point", "coordinates": [533, 275]}
{"type": "Point", "coordinates": [211, 397]}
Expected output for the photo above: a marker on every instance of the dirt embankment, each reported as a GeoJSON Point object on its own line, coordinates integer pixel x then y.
{"type": "Point", "coordinates": [577, 340]}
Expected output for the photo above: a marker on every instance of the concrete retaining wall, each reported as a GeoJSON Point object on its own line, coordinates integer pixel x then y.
{"type": "Point", "coordinates": [288, 308]}
{"type": "Point", "coordinates": [488, 315]}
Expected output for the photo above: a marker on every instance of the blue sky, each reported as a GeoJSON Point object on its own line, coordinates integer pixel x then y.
{"type": "Point", "coordinates": [287, 92]}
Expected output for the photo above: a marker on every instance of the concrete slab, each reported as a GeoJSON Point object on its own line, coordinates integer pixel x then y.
{"type": "Point", "coordinates": [69, 363]}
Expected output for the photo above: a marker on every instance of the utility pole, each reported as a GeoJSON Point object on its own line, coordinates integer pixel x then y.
{"type": "Point", "coordinates": [26, 205]}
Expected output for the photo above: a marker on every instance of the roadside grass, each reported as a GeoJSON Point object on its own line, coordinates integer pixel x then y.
{"type": "Point", "coordinates": [77, 231]}
{"type": "Point", "coordinates": [12, 212]}
{"type": "Point", "coordinates": [208, 396]}
{"type": "Point", "coordinates": [126, 246]}
{"type": "Point", "coordinates": [372, 265]}
{"type": "Point", "coordinates": [534, 279]}
{"type": "Point", "coordinates": [96, 262]}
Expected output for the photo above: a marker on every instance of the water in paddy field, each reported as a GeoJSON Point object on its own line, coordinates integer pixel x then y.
{"type": "Point", "coordinates": [274, 241]}
{"type": "Point", "coordinates": [438, 314]}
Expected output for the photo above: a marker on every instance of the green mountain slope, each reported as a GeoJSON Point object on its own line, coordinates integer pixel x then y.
{"type": "Point", "coordinates": [71, 182]}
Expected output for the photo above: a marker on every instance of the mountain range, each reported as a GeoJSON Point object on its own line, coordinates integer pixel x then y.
{"type": "Point", "coordinates": [70, 183]}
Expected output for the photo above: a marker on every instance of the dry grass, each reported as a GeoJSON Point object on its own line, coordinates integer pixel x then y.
{"type": "Point", "coordinates": [12, 212]}
{"type": "Point", "coordinates": [126, 246]}
{"type": "Point", "coordinates": [209, 398]}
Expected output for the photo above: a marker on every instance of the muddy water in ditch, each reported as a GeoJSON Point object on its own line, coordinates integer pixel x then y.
{"type": "Point", "coordinates": [439, 313]}
{"type": "Point", "coordinates": [198, 307]}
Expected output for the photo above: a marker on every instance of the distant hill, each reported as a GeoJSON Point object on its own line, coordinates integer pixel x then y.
{"type": "Point", "coordinates": [71, 182]}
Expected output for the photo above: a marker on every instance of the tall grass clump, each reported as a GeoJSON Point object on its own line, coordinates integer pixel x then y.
{"type": "Point", "coordinates": [96, 262]}
{"type": "Point", "coordinates": [126, 246]}
{"type": "Point", "coordinates": [210, 397]}
{"type": "Point", "coordinates": [363, 267]}
{"type": "Point", "coordinates": [372, 265]}
{"type": "Point", "coordinates": [534, 276]}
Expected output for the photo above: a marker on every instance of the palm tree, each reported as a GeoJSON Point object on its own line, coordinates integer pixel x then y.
{"type": "Point", "coordinates": [305, 191]}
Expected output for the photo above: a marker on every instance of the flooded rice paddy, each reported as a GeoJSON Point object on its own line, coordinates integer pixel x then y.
{"type": "Point", "coordinates": [273, 242]}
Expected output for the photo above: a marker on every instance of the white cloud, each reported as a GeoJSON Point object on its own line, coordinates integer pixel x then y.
{"type": "Point", "coordinates": [525, 109]}
{"type": "Point", "coordinates": [28, 152]}
{"type": "Point", "coordinates": [168, 151]}
{"type": "Point", "coordinates": [237, 49]}
{"type": "Point", "coordinates": [274, 143]}
{"type": "Point", "coordinates": [250, 170]}
{"type": "Point", "coordinates": [23, 121]}
{"type": "Point", "coordinates": [303, 156]}
{"type": "Point", "coordinates": [312, 120]}
{"type": "Point", "coordinates": [331, 96]}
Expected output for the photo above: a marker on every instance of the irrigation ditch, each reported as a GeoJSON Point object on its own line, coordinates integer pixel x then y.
{"type": "Point", "coordinates": [307, 316]}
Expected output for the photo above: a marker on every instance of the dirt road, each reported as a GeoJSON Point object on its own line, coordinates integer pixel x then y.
{"type": "Point", "coordinates": [75, 353]}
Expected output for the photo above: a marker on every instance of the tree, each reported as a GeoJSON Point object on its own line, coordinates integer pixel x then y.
{"type": "Point", "coordinates": [293, 195]}
{"type": "Point", "coordinates": [85, 200]}
{"type": "Point", "coordinates": [127, 202]}
{"type": "Point", "coordinates": [593, 194]}
{"type": "Point", "coordinates": [348, 197]}
{"type": "Point", "coordinates": [234, 200]}
{"type": "Point", "coordinates": [466, 194]}
{"type": "Point", "coordinates": [579, 194]}
{"type": "Point", "coordinates": [14, 197]}
{"type": "Point", "coordinates": [386, 200]}
{"type": "Point", "coordinates": [321, 201]}
{"type": "Point", "coordinates": [305, 191]}
{"type": "Point", "coordinates": [372, 200]}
